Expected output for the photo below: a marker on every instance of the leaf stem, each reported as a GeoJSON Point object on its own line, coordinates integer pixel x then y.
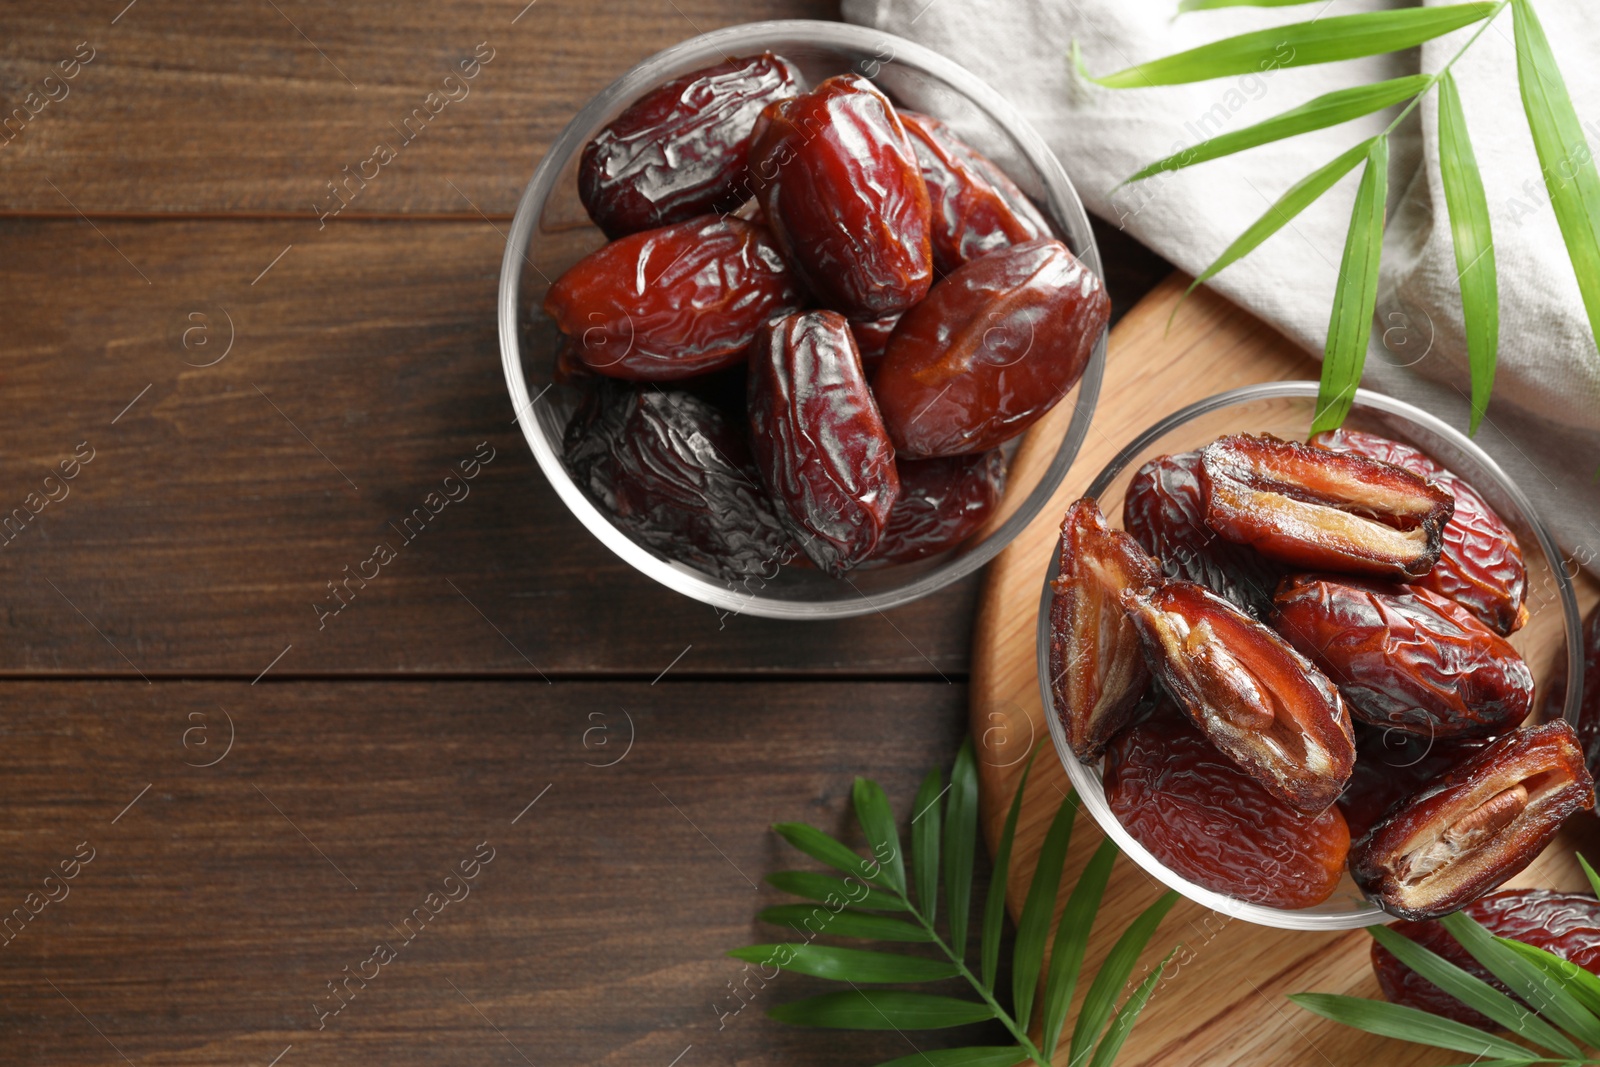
{"type": "Point", "coordinates": [1433, 79]}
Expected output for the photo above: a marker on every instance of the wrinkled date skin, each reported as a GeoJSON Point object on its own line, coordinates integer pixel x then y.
{"type": "Point", "coordinates": [680, 150]}
{"type": "Point", "coordinates": [992, 349]}
{"type": "Point", "coordinates": [841, 189]}
{"type": "Point", "coordinates": [1480, 563]}
{"type": "Point", "coordinates": [872, 339]}
{"type": "Point", "coordinates": [974, 208]}
{"type": "Point", "coordinates": [1390, 766]}
{"type": "Point", "coordinates": [1166, 512]}
{"type": "Point", "coordinates": [1258, 700]}
{"type": "Point", "coordinates": [817, 438]}
{"type": "Point", "coordinates": [1483, 822]}
{"type": "Point", "coordinates": [1216, 826]}
{"type": "Point", "coordinates": [1406, 657]}
{"type": "Point", "coordinates": [942, 503]}
{"type": "Point", "coordinates": [677, 477]}
{"type": "Point", "coordinates": [1323, 510]}
{"type": "Point", "coordinates": [1097, 668]}
{"type": "Point", "coordinates": [1555, 699]}
{"type": "Point", "coordinates": [1563, 924]}
{"type": "Point", "coordinates": [674, 302]}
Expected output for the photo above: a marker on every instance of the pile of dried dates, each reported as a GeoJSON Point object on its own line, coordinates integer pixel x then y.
{"type": "Point", "coordinates": [817, 320]}
{"type": "Point", "coordinates": [1293, 659]}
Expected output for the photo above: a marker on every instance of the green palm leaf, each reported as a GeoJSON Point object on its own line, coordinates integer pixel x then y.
{"type": "Point", "coordinates": [1589, 873]}
{"type": "Point", "coordinates": [877, 821]}
{"type": "Point", "coordinates": [1474, 244]}
{"type": "Point", "coordinates": [809, 920]}
{"type": "Point", "coordinates": [980, 1056]}
{"type": "Point", "coordinates": [1114, 971]}
{"type": "Point", "coordinates": [1356, 293]}
{"type": "Point", "coordinates": [848, 964]}
{"type": "Point", "coordinates": [1584, 987]}
{"type": "Point", "coordinates": [1039, 908]}
{"type": "Point", "coordinates": [994, 905]}
{"type": "Point", "coordinates": [882, 1009]}
{"type": "Point", "coordinates": [960, 844]}
{"type": "Point", "coordinates": [1409, 1024]}
{"type": "Point", "coordinates": [1106, 1052]}
{"type": "Point", "coordinates": [1524, 979]}
{"type": "Point", "coordinates": [829, 850]}
{"type": "Point", "coordinates": [1072, 938]}
{"type": "Point", "coordinates": [925, 843]}
{"type": "Point", "coordinates": [814, 885]}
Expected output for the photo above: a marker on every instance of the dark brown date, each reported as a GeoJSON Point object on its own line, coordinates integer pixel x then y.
{"type": "Point", "coordinates": [1097, 668]}
{"type": "Point", "coordinates": [1390, 766]}
{"type": "Point", "coordinates": [942, 503]}
{"type": "Point", "coordinates": [1258, 700]}
{"type": "Point", "coordinates": [1483, 822]}
{"type": "Point", "coordinates": [1216, 826]}
{"type": "Point", "coordinates": [1563, 924]}
{"type": "Point", "coordinates": [1406, 657]}
{"type": "Point", "coordinates": [677, 477]}
{"type": "Point", "coordinates": [872, 338]}
{"type": "Point", "coordinates": [818, 440]}
{"type": "Point", "coordinates": [1480, 563]}
{"type": "Point", "coordinates": [679, 151]}
{"type": "Point", "coordinates": [1555, 699]}
{"type": "Point", "coordinates": [1323, 510]}
{"type": "Point", "coordinates": [839, 183]}
{"type": "Point", "coordinates": [1165, 511]}
{"type": "Point", "coordinates": [970, 213]}
{"type": "Point", "coordinates": [673, 302]}
{"type": "Point", "coordinates": [992, 349]}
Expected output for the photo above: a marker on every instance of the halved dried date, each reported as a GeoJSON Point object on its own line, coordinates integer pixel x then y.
{"type": "Point", "coordinates": [1484, 821]}
{"type": "Point", "coordinates": [1166, 512]}
{"type": "Point", "coordinates": [1480, 563]}
{"type": "Point", "coordinates": [942, 503]}
{"type": "Point", "coordinates": [1097, 668]}
{"type": "Point", "coordinates": [1563, 924]}
{"type": "Point", "coordinates": [1555, 698]}
{"type": "Point", "coordinates": [673, 302]}
{"type": "Point", "coordinates": [872, 338]}
{"type": "Point", "coordinates": [677, 477]}
{"type": "Point", "coordinates": [1320, 509]}
{"type": "Point", "coordinates": [817, 438]}
{"type": "Point", "coordinates": [679, 151]}
{"type": "Point", "coordinates": [839, 182]}
{"type": "Point", "coordinates": [1258, 700]}
{"type": "Point", "coordinates": [1215, 825]}
{"type": "Point", "coordinates": [991, 350]}
{"type": "Point", "coordinates": [1390, 766]}
{"type": "Point", "coordinates": [1406, 657]}
{"type": "Point", "coordinates": [970, 213]}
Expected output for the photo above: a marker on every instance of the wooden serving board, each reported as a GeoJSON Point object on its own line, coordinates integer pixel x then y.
{"type": "Point", "coordinates": [1223, 998]}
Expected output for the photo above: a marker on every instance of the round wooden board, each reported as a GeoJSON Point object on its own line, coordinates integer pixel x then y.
{"type": "Point", "coordinates": [1222, 1000]}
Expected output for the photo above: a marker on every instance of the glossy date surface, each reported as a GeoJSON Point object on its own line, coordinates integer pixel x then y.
{"type": "Point", "coordinates": [942, 502]}
{"type": "Point", "coordinates": [673, 302]}
{"type": "Point", "coordinates": [992, 349]}
{"type": "Point", "coordinates": [817, 438]}
{"type": "Point", "coordinates": [1390, 766]}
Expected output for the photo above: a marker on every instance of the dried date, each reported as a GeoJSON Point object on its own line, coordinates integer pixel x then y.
{"type": "Point", "coordinates": [1320, 509]}
{"type": "Point", "coordinates": [1555, 699]}
{"type": "Point", "coordinates": [1406, 657]}
{"type": "Point", "coordinates": [1390, 766]}
{"type": "Point", "coordinates": [872, 338]}
{"type": "Point", "coordinates": [1483, 822]}
{"type": "Point", "coordinates": [994, 347]}
{"type": "Point", "coordinates": [942, 503]}
{"type": "Point", "coordinates": [818, 441]}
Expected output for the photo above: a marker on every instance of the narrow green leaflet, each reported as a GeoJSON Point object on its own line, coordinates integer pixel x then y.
{"type": "Point", "coordinates": [960, 841]}
{"type": "Point", "coordinates": [1212, 5]}
{"type": "Point", "coordinates": [1589, 873]}
{"type": "Point", "coordinates": [810, 920]}
{"type": "Point", "coordinates": [1474, 244]}
{"type": "Point", "coordinates": [1106, 1052]}
{"type": "Point", "coordinates": [1034, 924]}
{"type": "Point", "coordinates": [1114, 971]}
{"type": "Point", "coordinates": [1355, 296]}
{"type": "Point", "coordinates": [829, 850]}
{"type": "Point", "coordinates": [1409, 1024]}
{"type": "Point", "coordinates": [1072, 938]}
{"type": "Point", "coordinates": [1569, 169]}
{"type": "Point", "coordinates": [1584, 987]}
{"type": "Point", "coordinates": [925, 843]}
{"type": "Point", "coordinates": [1474, 992]}
{"type": "Point", "coordinates": [1301, 44]}
{"type": "Point", "coordinates": [877, 821]}
{"type": "Point", "coordinates": [848, 964]}
{"type": "Point", "coordinates": [882, 1009]}
{"type": "Point", "coordinates": [994, 905]}
{"type": "Point", "coordinates": [1327, 110]}
{"type": "Point", "coordinates": [1524, 979]}
{"type": "Point", "coordinates": [814, 885]}
{"type": "Point", "coordinates": [978, 1056]}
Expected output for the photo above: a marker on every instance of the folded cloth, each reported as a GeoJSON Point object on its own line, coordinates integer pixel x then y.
{"type": "Point", "coordinates": [1543, 425]}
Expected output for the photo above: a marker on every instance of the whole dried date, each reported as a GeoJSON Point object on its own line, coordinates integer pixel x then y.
{"type": "Point", "coordinates": [841, 189]}
{"type": "Point", "coordinates": [817, 438]}
{"type": "Point", "coordinates": [673, 302]}
{"type": "Point", "coordinates": [677, 477]}
{"type": "Point", "coordinates": [1484, 821]}
{"type": "Point", "coordinates": [679, 151]}
{"type": "Point", "coordinates": [1555, 699]}
{"type": "Point", "coordinates": [992, 349]}
{"type": "Point", "coordinates": [1321, 509]}
{"type": "Point", "coordinates": [1480, 563]}
{"type": "Point", "coordinates": [974, 208]}
{"type": "Point", "coordinates": [942, 503]}
{"type": "Point", "coordinates": [1563, 924]}
{"type": "Point", "coordinates": [872, 338]}
{"type": "Point", "coordinates": [1165, 511]}
{"type": "Point", "coordinates": [1406, 657]}
{"type": "Point", "coordinates": [1390, 766]}
{"type": "Point", "coordinates": [1097, 668]}
{"type": "Point", "coordinates": [1201, 816]}
{"type": "Point", "coordinates": [1258, 700]}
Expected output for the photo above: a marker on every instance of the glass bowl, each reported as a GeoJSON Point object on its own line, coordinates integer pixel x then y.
{"type": "Point", "coordinates": [551, 231]}
{"type": "Point", "coordinates": [1285, 409]}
